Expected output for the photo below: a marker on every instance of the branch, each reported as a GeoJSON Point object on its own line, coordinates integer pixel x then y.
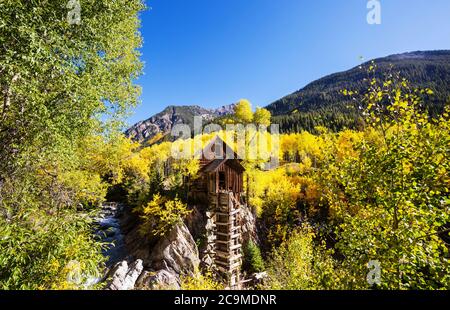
{"type": "Point", "coordinates": [432, 234]}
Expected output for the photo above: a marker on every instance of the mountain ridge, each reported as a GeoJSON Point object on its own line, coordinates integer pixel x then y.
{"type": "Point", "coordinates": [163, 122]}
{"type": "Point", "coordinates": [320, 102]}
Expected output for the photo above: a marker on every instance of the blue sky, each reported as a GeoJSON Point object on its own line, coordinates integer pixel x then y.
{"type": "Point", "coordinates": [215, 52]}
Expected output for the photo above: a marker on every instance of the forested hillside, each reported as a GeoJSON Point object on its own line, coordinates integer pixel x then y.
{"type": "Point", "coordinates": [321, 102]}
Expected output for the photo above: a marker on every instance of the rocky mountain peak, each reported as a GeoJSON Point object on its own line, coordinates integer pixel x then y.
{"type": "Point", "coordinates": [163, 122]}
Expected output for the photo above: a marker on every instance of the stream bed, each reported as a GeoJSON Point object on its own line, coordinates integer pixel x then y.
{"type": "Point", "coordinates": [109, 231]}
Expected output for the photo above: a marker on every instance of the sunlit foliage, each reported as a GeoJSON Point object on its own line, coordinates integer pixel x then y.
{"type": "Point", "coordinates": [389, 199]}
{"type": "Point", "coordinates": [160, 215]}
{"type": "Point", "coordinates": [262, 116]}
{"type": "Point", "coordinates": [243, 111]}
{"type": "Point", "coordinates": [301, 264]}
{"type": "Point", "coordinates": [63, 89]}
{"type": "Point", "coordinates": [200, 281]}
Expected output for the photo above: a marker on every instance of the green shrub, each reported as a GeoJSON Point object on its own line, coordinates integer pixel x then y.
{"type": "Point", "coordinates": [253, 261]}
{"type": "Point", "coordinates": [301, 264]}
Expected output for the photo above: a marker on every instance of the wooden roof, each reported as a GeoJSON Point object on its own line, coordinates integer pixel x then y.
{"type": "Point", "coordinates": [226, 149]}
{"type": "Point", "coordinates": [214, 165]}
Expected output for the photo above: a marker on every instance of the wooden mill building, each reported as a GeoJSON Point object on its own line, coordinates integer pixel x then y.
{"type": "Point", "coordinates": [220, 187]}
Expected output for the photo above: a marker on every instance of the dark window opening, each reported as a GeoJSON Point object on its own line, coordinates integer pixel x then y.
{"type": "Point", "coordinates": [222, 184]}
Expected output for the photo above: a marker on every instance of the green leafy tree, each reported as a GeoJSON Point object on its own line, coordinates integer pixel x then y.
{"type": "Point", "coordinates": [253, 261]}
{"type": "Point", "coordinates": [391, 200]}
{"type": "Point", "coordinates": [59, 81]}
{"type": "Point", "coordinates": [301, 264]}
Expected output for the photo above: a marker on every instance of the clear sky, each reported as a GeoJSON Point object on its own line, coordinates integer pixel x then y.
{"type": "Point", "coordinates": [215, 52]}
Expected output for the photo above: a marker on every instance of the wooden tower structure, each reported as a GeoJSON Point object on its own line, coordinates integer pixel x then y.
{"type": "Point", "coordinates": [220, 187]}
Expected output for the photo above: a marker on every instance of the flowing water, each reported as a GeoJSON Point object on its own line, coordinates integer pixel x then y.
{"type": "Point", "coordinates": [109, 231]}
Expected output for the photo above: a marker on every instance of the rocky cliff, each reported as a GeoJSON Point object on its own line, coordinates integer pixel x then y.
{"type": "Point", "coordinates": [143, 262]}
{"type": "Point", "coordinates": [163, 122]}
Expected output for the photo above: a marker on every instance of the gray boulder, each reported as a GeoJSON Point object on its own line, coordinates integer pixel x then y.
{"type": "Point", "coordinates": [123, 277]}
{"type": "Point", "coordinates": [158, 280]}
{"type": "Point", "coordinates": [176, 252]}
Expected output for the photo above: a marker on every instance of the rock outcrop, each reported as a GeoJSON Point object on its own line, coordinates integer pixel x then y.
{"type": "Point", "coordinates": [176, 252]}
{"type": "Point", "coordinates": [153, 263]}
{"type": "Point", "coordinates": [137, 244]}
{"type": "Point", "coordinates": [123, 276]}
{"type": "Point", "coordinates": [196, 221]}
{"type": "Point", "coordinates": [163, 122]}
{"type": "Point", "coordinates": [249, 228]}
{"type": "Point", "coordinates": [158, 280]}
